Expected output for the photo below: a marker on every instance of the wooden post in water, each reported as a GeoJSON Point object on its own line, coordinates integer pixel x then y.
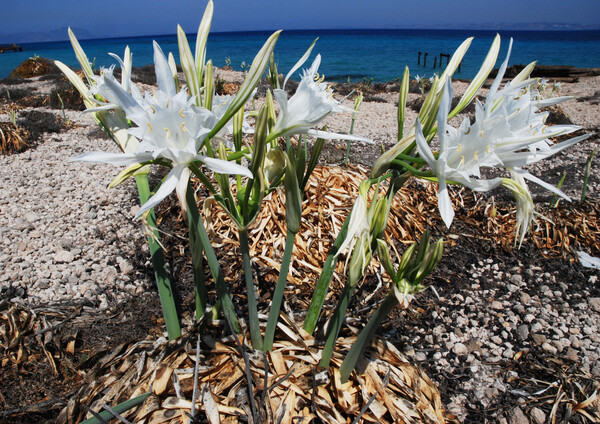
{"type": "Point", "coordinates": [419, 59]}
{"type": "Point", "coordinates": [425, 60]}
{"type": "Point", "coordinates": [435, 62]}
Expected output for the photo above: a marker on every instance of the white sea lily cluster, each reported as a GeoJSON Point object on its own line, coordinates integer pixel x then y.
{"type": "Point", "coordinates": [509, 132]}
{"type": "Point", "coordinates": [169, 127]}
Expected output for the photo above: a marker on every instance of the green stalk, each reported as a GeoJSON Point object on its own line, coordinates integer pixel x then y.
{"type": "Point", "coordinates": [165, 291]}
{"type": "Point", "coordinates": [588, 169]}
{"type": "Point", "coordinates": [119, 409]}
{"type": "Point", "coordinates": [365, 336]}
{"type": "Point", "coordinates": [215, 269]}
{"type": "Point", "coordinates": [335, 324]}
{"type": "Point", "coordinates": [279, 289]}
{"type": "Point", "coordinates": [197, 253]}
{"type": "Point", "coordinates": [314, 310]}
{"type": "Point", "coordinates": [257, 342]}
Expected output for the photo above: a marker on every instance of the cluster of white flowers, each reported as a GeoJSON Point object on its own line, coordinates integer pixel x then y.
{"type": "Point", "coordinates": [169, 126]}
{"type": "Point", "coordinates": [508, 132]}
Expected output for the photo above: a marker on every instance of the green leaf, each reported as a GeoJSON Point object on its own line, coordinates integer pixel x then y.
{"type": "Point", "coordinates": [126, 173]}
{"type": "Point", "coordinates": [256, 70]}
{"type": "Point", "coordinates": [173, 66]}
{"type": "Point", "coordinates": [484, 71]}
{"type": "Point", "coordinates": [402, 102]}
{"type": "Point", "coordinates": [525, 73]}
{"type": "Point", "coordinates": [188, 65]}
{"type": "Point", "coordinates": [209, 86]}
{"type": "Point", "coordinates": [77, 83]}
{"type": "Point", "coordinates": [454, 62]}
{"type": "Point", "coordinates": [119, 409]}
{"type": "Point", "coordinates": [81, 57]}
{"type": "Point", "coordinates": [293, 199]}
{"type": "Point", "coordinates": [201, 39]}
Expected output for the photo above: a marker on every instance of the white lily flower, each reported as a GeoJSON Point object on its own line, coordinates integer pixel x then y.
{"type": "Point", "coordinates": [457, 161]}
{"type": "Point", "coordinates": [509, 132]}
{"type": "Point", "coordinates": [311, 103]}
{"type": "Point", "coordinates": [170, 128]}
{"type": "Point", "coordinates": [220, 104]}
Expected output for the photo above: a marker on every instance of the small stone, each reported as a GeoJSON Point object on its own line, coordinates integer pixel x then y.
{"type": "Point", "coordinates": [537, 416]}
{"type": "Point", "coordinates": [523, 332]}
{"type": "Point", "coordinates": [516, 279]}
{"type": "Point", "coordinates": [516, 416]}
{"type": "Point", "coordinates": [420, 357]}
{"type": "Point", "coordinates": [539, 339]}
{"type": "Point", "coordinates": [497, 306]}
{"type": "Point", "coordinates": [548, 348]}
{"type": "Point", "coordinates": [594, 303]}
{"type": "Point", "coordinates": [460, 349]}
{"type": "Point", "coordinates": [63, 257]}
{"type": "Point", "coordinates": [525, 298]}
{"type": "Point", "coordinates": [558, 344]}
{"type": "Point", "coordinates": [126, 267]}
{"type": "Point", "coordinates": [536, 327]}
{"type": "Point", "coordinates": [572, 354]}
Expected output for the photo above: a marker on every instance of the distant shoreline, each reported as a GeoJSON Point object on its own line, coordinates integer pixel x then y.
{"type": "Point", "coordinates": [192, 33]}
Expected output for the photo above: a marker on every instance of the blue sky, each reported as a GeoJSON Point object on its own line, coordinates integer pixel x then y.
{"type": "Point", "coordinates": [112, 18]}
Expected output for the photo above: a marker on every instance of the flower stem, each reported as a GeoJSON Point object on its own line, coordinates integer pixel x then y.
{"type": "Point", "coordinates": [257, 342]}
{"type": "Point", "coordinates": [314, 310]}
{"type": "Point", "coordinates": [197, 253]}
{"type": "Point", "coordinates": [279, 289]}
{"type": "Point", "coordinates": [215, 268]}
{"type": "Point", "coordinates": [335, 324]}
{"type": "Point", "coordinates": [165, 291]}
{"type": "Point", "coordinates": [365, 336]}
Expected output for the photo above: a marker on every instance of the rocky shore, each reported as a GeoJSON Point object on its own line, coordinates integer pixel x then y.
{"type": "Point", "coordinates": [65, 238]}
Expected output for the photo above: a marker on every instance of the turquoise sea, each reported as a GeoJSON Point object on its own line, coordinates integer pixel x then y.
{"type": "Point", "coordinates": [358, 54]}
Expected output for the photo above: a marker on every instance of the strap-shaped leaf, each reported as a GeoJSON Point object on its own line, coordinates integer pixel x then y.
{"type": "Point", "coordinates": [209, 86]}
{"type": "Point", "coordinates": [256, 70]}
{"type": "Point", "coordinates": [402, 102]}
{"type": "Point", "coordinates": [81, 56]}
{"type": "Point", "coordinates": [77, 83]}
{"type": "Point", "coordinates": [525, 73]}
{"type": "Point", "coordinates": [201, 39]}
{"type": "Point", "coordinates": [454, 62]}
{"type": "Point", "coordinates": [484, 71]}
{"type": "Point", "coordinates": [188, 65]}
{"type": "Point", "coordinates": [119, 409]}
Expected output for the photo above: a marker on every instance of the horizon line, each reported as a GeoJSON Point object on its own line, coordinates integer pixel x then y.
{"type": "Point", "coordinates": [509, 27]}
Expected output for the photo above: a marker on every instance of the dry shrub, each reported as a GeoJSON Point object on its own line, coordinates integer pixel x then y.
{"type": "Point", "coordinates": [35, 67]}
{"type": "Point", "coordinates": [12, 138]}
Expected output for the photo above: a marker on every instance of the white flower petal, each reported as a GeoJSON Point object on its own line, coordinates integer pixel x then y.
{"type": "Point", "coordinates": [224, 167]}
{"type": "Point", "coordinates": [164, 76]}
{"type": "Point", "coordinates": [588, 261]}
{"type": "Point", "coordinates": [445, 204]}
{"type": "Point", "coordinates": [113, 158]}
{"type": "Point", "coordinates": [166, 188]}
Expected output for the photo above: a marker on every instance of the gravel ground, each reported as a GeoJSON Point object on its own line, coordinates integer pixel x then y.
{"type": "Point", "coordinates": [65, 237]}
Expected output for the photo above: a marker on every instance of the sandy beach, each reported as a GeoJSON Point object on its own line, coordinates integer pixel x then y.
{"type": "Point", "coordinates": [67, 241]}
